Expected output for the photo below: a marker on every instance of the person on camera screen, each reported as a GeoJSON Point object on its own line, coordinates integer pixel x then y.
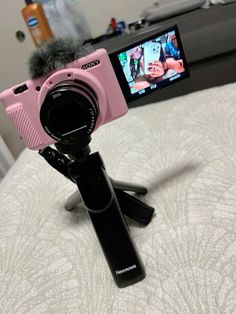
{"type": "Point", "coordinates": [152, 62]}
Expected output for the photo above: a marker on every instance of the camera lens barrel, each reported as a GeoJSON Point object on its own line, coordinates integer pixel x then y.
{"type": "Point", "coordinates": [69, 112]}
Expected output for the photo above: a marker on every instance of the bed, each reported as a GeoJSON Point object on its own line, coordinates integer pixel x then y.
{"type": "Point", "coordinates": [184, 151]}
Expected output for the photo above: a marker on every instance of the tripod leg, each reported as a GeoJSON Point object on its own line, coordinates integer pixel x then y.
{"type": "Point", "coordinates": [120, 185]}
{"type": "Point", "coordinates": [74, 200]}
{"type": "Point", "coordinates": [134, 208]}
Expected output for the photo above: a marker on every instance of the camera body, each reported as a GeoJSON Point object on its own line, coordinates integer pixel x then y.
{"type": "Point", "coordinates": [88, 81]}
{"type": "Point", "coordinates": [73, 98]}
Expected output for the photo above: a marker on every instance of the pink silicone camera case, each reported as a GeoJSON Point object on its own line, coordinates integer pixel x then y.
{"type": "Point", "coordinates": [24, 109]}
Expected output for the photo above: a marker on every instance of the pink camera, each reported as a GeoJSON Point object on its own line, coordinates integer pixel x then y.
{"type": "Point", "coordinates": [68, 104]}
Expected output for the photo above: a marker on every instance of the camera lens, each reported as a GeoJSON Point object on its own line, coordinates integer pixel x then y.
{"type": "Point", "coordinates": [69, 111]}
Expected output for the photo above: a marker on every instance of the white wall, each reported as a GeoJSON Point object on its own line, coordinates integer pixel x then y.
{"type": "Point", "coordinates": [99, 12]}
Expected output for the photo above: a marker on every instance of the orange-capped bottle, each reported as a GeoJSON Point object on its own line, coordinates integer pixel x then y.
{"type": "Point", "coordinates": [37, 22]}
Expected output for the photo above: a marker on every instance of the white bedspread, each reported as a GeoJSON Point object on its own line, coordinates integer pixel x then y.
{"type": "Point", "coordinates": [184, 151]}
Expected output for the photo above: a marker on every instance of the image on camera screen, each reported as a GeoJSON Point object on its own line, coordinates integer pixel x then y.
{"type": "Point", "coordinates": [152, 63]}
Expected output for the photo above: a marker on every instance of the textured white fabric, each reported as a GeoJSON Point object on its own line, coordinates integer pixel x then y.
{"type": "Point", "coordinates": [184, 151]}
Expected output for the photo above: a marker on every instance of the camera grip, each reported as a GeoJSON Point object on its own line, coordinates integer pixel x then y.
{"type": "Point", "coordinates": [108, 221]}
{"type": "Point", "coordinates": [118, 247]}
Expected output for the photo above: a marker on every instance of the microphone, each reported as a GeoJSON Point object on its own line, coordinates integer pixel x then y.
{"type": "Point", "coordinates": [54, 55]}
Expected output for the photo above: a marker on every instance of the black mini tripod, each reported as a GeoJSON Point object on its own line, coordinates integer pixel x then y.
{"type": "Point", "coordinates": [106, 201]}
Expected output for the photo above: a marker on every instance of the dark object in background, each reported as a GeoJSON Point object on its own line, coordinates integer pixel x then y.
{"type": "Point", "coordinates": [20, 36]}
{"type": "Point", "coordinates": [137, 25]}
{"type": "Point", "coordinates": [100, 39]}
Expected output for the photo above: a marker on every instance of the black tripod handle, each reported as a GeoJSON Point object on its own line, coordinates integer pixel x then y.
{"type": "Point", "coordinates": [110, 226]}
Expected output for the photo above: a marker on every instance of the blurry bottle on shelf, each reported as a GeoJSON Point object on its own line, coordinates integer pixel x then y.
{"type": "Point", "coordinates": [37, 22]}
{"type": "Point", "coordinates": [66, 18]}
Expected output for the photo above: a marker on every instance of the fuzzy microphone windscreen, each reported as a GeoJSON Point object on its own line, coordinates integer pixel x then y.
{"type": "Point", "coordinates": [56, 54]}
